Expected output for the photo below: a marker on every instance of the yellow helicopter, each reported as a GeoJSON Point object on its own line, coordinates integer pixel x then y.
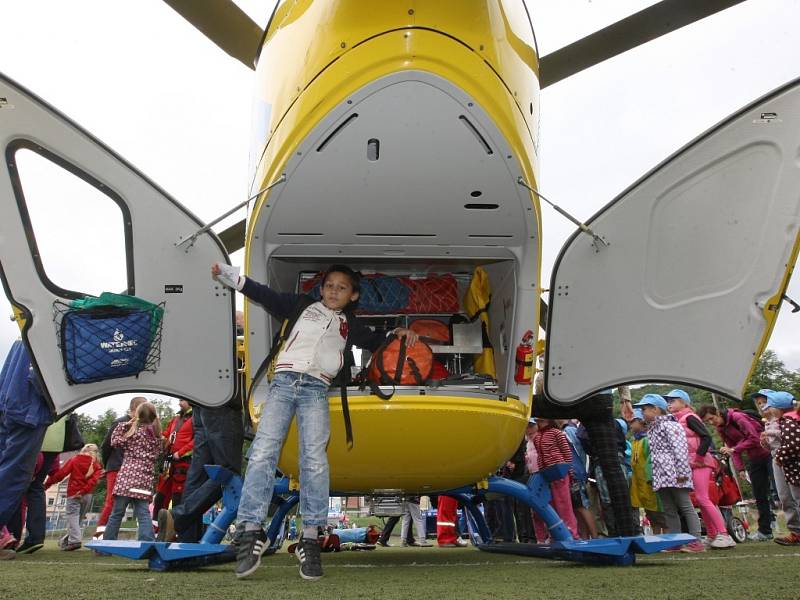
{"type": "Point", "coordinates": [401, 138]}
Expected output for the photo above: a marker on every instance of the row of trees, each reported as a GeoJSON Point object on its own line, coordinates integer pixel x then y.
{"type": "Point", "coordinates": [770, 373]}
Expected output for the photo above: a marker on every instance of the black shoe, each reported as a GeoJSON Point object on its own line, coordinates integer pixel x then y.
{"type": "Point", "coordinates": [29, 548]}
{"type": "Point", "coordinates": [252, 545]}
{"type": "Point", "coordinates": [308, 553]}
{"type": "Point", "coordinates": [383, 543]}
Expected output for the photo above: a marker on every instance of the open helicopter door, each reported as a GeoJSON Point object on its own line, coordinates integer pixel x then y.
{"type": "Point", "coordinates": [699, 255]}
{"type": "Point", "coordinates": [197, 351]}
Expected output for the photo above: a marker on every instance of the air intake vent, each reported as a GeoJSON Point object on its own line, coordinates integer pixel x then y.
{"type": "Point", "coordinates": [479, 206]}
{"type": "Point", "coordinates": [396, 235]}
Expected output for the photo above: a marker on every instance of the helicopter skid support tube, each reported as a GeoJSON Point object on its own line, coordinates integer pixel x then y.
{"type": "Point", "coordinates": [618, 551]}
{"type": "Point", "coordinates": [536, 495]}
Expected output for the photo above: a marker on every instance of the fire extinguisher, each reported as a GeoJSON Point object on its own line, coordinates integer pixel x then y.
{"type": "Point", "coordinates": [523, 372]}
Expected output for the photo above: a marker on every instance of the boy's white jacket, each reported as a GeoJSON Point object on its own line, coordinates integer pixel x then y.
{"type": "Point", "coordinates": [315, 344]}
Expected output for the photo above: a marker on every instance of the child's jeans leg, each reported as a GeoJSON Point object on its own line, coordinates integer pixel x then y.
{"type": "Point", "coordinates": [670, 510]}
{"type": "Point", "coordinates": [715, 524]}
{"type": "Point", "coordinates": [788, 500]}
{"type": "Point", "coordinates": [115, 520]}
{"type": "Point", "coordinates": [73, 512]}
{"type": "Point", "coordinates": [314, 428]}
{"type": "Point", "coordinates": [684, 505]}
{"type": "Point", "coordinates": [562, 503]}
{"type": "Point", "coordinates": [265, 450]}
{"type": "Point", "coordinates": [142, 514]}
{"type": "Point", "coordinates": [404, 524]}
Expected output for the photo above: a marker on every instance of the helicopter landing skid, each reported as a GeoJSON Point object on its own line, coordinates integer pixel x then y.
{"type": "Point", "coordinates": [618, 551]}
{"type": "Point", "coordinates": [165, 556]}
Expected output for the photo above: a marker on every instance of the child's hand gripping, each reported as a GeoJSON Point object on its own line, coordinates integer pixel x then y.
{"type": "Point", "coordinates": [227, 275]}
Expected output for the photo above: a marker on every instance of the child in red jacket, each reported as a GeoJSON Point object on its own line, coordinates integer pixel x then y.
{"type": "Point", "coordinates": [84, 471]}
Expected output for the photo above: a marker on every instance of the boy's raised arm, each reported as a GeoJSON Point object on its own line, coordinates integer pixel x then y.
{"type": "Point", "coordinates": [278, 304]}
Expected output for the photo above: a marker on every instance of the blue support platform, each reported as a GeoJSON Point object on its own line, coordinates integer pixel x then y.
{"type": "Point", "coordinates": [620, 551]}
{"type": "Point", "coordinates": [209, 550]}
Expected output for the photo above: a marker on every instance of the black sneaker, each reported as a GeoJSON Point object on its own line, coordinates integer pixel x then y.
{"type": "Point", "coordinates": [252, 545]}
{"type": "Point", "coordinates": [29, 548]}
{"type": "Point", "coordinates": [308, 553]}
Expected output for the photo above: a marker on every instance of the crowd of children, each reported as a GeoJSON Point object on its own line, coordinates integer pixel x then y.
{"type": "Point", "coordinates": [673, 465]}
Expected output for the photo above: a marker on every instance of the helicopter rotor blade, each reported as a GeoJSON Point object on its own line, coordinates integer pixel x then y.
{"type": "Point", "coordinates": [225, 24]}
{"type": "Point", "coordinates": [641, 27]}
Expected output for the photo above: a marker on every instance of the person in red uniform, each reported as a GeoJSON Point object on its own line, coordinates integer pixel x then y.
{"type": "Point", "coordinates": [446, 519]}
{"type": "Point", "coordinates": [180, 443]}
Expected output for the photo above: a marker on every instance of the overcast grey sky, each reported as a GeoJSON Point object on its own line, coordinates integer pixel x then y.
{"type": "Point", "coordinates": [160, 94]}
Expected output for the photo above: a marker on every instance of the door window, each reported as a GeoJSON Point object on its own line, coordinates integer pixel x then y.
{"type": "Point", "coordinates": [78, 232]}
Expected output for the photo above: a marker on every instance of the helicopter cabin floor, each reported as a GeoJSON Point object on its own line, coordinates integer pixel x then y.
{"type": "Point", "coordinates": [763, 570]}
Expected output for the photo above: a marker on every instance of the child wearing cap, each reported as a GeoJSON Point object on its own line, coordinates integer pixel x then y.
{"type": "Point", "coordinates": [703, 465]}
{"type": "Point", "coordinates": [672, 475]}
{"type": "Point", "coordinates": [786, 452]}
{"type": "Point", "coordinates": [642, 494]}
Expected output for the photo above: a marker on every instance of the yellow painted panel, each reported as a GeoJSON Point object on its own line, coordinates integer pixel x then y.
{"type": "Point", "coordinates": [416, 443]}
{"type": "Point", "coordinates": [307, 37]}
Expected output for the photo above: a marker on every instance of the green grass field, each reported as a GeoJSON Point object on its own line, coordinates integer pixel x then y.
{"type": "Point", "coordinates": [752, 570]}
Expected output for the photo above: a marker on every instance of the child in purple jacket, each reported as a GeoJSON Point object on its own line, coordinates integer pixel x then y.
{"type": "Point", "coordinates": [672, 475]}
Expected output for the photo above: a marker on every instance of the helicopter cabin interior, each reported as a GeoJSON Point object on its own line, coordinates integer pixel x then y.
{"type": "Point", "coordinates": [408, 180]}
{"type": "Point", "coordinates": [425, 291]}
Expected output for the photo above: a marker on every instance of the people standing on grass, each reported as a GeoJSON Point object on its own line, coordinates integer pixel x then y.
{"type": "Point", "coordinates": [741, 434]}
{"type": "Point", "coordinates": [112, 459]}
{"type": "Point", "coordinates": [552, 447]}
{"type": "Point", "coordinates": [578, 485]}
{"type": "Point", "coordinates": [703, 465]}
{"type": "Point", "coordinates": [672, 475]}
{"type": "Point", "coordinates": [782, 436]}
{"type": "Point", "coordinates": [84, 471]}
{"type": "Point", "coordinates": [141, 442]}
{"type": "Point", "coordinates": [642, 494]}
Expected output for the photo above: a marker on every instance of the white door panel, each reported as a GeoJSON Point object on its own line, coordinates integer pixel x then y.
{"type": "Point", "coordinates": [699, 253]}
{"type": "Point", "coordinates": [198, 343]}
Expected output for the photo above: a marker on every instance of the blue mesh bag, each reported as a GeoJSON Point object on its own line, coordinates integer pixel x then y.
{"type": "Point", "coordinates": [107, 342]}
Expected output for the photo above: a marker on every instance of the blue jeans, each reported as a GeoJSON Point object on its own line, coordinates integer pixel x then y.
{"type": "Point", "coordinates": [140, 511]}
{"type": "Point", "coordinates": [19, 447]}
{"type": "Point", "coordinates": [35, 499]}
{"type": "Point", "coordinates": [289, 394]}
{"type": "Point", "coordinates": [218, 438]}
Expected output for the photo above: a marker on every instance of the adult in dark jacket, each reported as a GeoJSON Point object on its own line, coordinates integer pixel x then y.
{"type": "Point", "coordinates": [112, 459]}
{"type": "Point", "coordinates": [218, 439]}
{"type": "Point", "coordinates": [522, 513]}
{"type": "Point", "coordinates": [24, 417]}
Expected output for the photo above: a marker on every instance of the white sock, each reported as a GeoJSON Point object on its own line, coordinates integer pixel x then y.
{"type": "Point", "coordinates": [310, 532]}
